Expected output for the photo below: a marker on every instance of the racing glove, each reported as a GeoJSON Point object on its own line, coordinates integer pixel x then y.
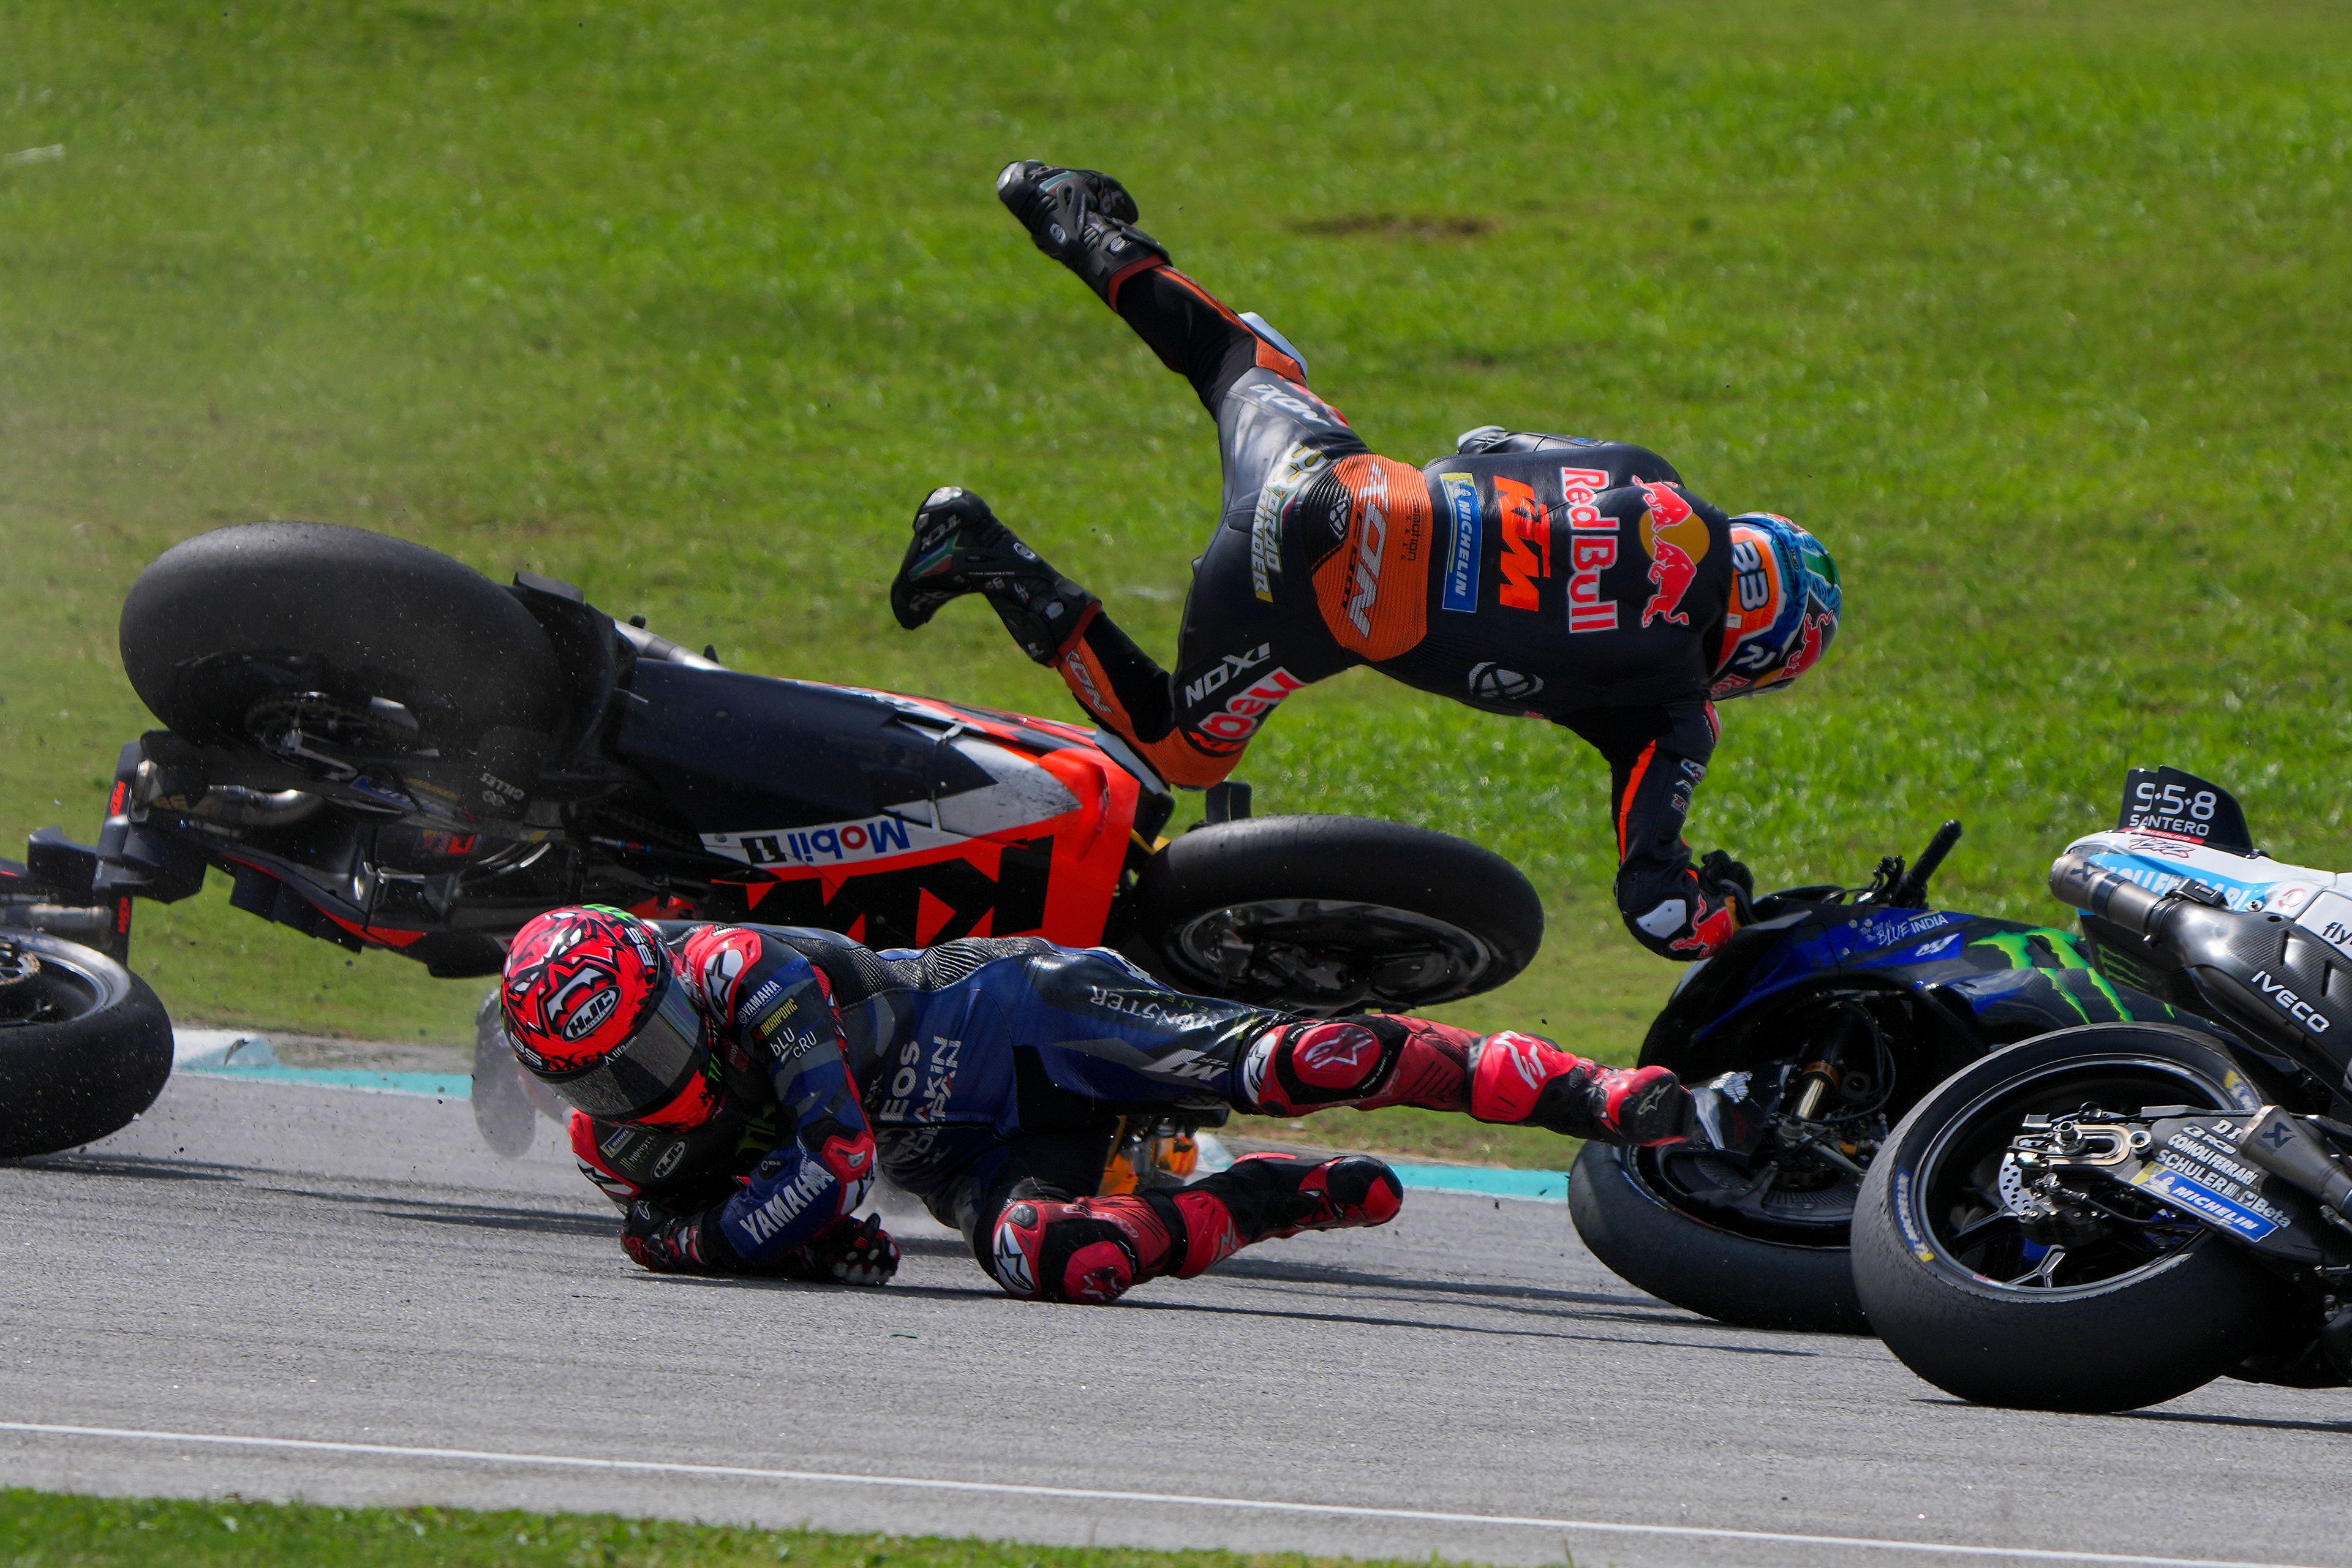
{"type": "Point", "coordinates": [1726, 881]}
{"type": "Point", "coordinates": [847, 1252]}
{"type": "Point", "coordinates": [671, 1242]}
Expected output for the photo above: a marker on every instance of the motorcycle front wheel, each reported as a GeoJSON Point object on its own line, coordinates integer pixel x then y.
{"type": "Point", "coordinates": [84, 1045]}
{"type": "Point", "coordinates": [1329, 914]}
{"type": "Point", "coordinates": [1655, 1216]}
{"type": "Point", "coordinates": [2150, 1307]}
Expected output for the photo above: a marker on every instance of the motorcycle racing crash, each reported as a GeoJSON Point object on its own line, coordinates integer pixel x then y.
{"type": "Point", "coordinates": [736, 1090]}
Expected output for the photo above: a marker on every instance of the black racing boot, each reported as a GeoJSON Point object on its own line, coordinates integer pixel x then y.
{"type": "Point", "coordinates": [960, 548]}
{"type": "Point", "coordinates": [1083, 219]}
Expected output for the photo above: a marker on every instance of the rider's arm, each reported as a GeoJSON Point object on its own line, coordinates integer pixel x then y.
{"type": "Point", "coordinates": [1658, 755]}
{"type": "Point", "coordinates": [771, 1003]}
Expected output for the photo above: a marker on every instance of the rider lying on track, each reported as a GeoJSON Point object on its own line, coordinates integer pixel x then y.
{"type": "Point", "coordinates": [736, 1086]}
{"type": "Point", "coordinates": [1563, 578]}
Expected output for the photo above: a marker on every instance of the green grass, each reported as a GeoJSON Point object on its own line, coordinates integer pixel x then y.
{"type": "Point", "coordinates": [2035, 311]}
{"type": "Point", "coordinates": [40, 1530]}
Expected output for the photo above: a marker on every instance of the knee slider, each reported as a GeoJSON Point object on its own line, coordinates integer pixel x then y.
{"type": "Point", "coordinates": [1303, 1067]}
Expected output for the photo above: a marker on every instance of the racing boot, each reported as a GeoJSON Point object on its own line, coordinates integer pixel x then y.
{"type": "Point", "coordinates": [960, 548]}
{"type": "Point", "coordinates": [1525, 1080]}
{"type": "Point", "coordinates": [1096, 1249]}
{"type": "Point", "coordinates": [1083, 219]}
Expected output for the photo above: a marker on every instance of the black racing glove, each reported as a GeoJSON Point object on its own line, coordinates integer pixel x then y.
{"type": "Point", "coordinates": [846, 1252]}
{"type": "Point", "coordinates": [1728, 881]}
{"type": "Point", "coordinates": [671, 1242]}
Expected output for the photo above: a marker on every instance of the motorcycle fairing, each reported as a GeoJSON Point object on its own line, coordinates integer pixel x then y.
{"type": "Point", "coordinates": [2161, 862]}
{"type": "Point", "coordinates": [2010, 979]}
{"type": "Point", "coordinates": [894, 821]}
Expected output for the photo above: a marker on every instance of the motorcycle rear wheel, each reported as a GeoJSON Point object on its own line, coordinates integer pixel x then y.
{"type": "Point", "coordinates": [2143, 1319]}
{"type": "Point", "coordinates": [84, 1045]}
{"type": "Point", "coordinates": [283, 634]}
{"type": "Point", "coordinates": [1330, 914]}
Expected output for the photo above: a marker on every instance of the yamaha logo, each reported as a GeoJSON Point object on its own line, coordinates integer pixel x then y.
{"type": "Point", "coordinates": [1493, 683]}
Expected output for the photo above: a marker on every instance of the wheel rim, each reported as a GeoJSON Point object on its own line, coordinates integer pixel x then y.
{"type": "Point", "coordinates": [1330, 955]}
{"type": "Point", "coordinates": [1965, 1194]}
{"type": "Point", "coordinates": [39, 986]}
{"type": "Point", "coordinates": [1774, 1202]}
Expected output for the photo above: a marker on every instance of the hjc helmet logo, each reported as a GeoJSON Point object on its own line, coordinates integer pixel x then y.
{"type": "Point", "coordinates": [583, 1000]}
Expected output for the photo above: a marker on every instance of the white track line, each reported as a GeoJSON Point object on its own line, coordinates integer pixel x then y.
{"type": "Point", "coordinates": [1089, 1494]}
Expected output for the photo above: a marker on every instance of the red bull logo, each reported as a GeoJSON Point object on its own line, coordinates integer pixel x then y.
{"type": "Point", "coordinates": [1677, 538]}
{"type": "Point", "coordinates": [1709, 934]}
{"type": "Point", "coordinates": [1809, 646]}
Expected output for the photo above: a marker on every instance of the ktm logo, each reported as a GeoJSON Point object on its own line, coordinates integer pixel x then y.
{"type": "Point", "coordinates": [1527, 542]}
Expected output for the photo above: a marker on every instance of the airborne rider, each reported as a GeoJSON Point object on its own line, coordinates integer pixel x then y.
{"type": "Point", "coordinates": [1556, 576]}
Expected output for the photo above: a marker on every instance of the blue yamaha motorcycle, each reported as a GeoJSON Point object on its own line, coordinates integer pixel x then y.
{"type": "Point", "coordinates": [1821, 1023]}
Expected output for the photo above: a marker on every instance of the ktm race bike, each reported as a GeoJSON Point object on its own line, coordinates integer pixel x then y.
{"type": "Point", "coordinates": [382, 748]}
{"type": "Point", "coordinates": [2113, 1215]}
{"type": "Point", "coordinates": [1810, 1035]}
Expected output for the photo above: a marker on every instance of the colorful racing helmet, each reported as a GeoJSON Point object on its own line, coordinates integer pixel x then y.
{"type": "Point", "coordinates": [1784, 608]}
{"type": "Point", "coordinates": [597, 1012]}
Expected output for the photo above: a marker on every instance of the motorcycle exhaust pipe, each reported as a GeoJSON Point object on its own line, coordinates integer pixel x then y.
{"type": "Point", "coordinates": [2096, 890]}
{"type": "Point", "coordinates": [2283, 1146]}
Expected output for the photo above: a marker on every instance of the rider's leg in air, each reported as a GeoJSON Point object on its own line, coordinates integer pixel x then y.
{"type": "Point", "coordinates": [1190, 724]}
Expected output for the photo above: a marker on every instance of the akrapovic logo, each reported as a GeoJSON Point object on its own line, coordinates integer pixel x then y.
{"type": "Point", "coordinates": [2287, 1001]}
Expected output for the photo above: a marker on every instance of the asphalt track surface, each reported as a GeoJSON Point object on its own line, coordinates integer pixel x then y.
{"type": "Point", "coordinates": [289, 1291]}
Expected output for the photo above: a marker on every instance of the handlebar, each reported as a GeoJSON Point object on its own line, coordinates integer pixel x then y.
{"type": "Point", "coordinates": [1911, 888]}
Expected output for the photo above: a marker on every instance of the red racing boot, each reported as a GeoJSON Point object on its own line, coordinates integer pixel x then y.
{"type": "Point", "coordinates": [1526, 1081]}
{"type": "Point", "coordinates": [1096, 1249]}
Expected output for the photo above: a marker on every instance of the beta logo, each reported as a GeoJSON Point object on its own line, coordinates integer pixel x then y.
{"type": "Point", "coordinates": [1245, 711]}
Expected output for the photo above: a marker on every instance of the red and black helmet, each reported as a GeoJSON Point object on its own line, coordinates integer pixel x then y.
{"type": "Point", "coordinates": [596, 1010]}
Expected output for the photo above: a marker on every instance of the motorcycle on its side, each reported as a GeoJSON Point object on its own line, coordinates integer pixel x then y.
{"type": "Point", "coordinates": [2111, 1216]}
{"type": "Point", "coordinates": [381, 748]}
{"type": "Point", "coordinates": [1807, 1037]}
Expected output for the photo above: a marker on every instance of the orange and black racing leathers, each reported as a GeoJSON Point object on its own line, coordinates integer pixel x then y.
{"type": "Point", "coordinates": [1562, 578]}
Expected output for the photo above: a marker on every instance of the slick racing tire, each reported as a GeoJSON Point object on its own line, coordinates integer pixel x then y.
{"type": "Point", "coordinates": [1629, 1208]}
{"type": "Point", "coordinates": [84, 1045]}
{"type": "Point", "coordinates": [2135, 1316]}
{"type": "Point", "coordinates": [267, 633]}
{"type": "Point", "coordinates": [1330, 914]}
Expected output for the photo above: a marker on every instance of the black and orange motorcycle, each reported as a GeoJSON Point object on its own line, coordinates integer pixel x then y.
{"type": "Point", "coordinates": [380, 747]}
